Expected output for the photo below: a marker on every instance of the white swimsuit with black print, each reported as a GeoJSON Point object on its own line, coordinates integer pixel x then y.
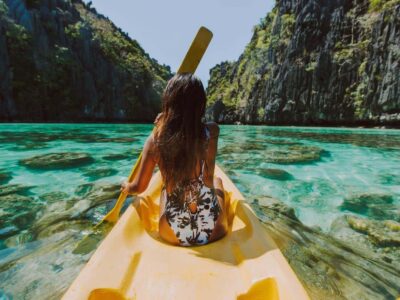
{"type": "Point", "coordinates": [192, 228]}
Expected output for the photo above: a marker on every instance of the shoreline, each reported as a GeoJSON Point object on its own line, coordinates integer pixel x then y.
{"type": "Point", "coordinates": [360, 125]}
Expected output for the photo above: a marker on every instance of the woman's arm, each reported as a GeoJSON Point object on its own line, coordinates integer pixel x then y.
{"type": "Point", "coordinates": [212, 147]}
{"type": "Point", "coordinates": [145, 170]}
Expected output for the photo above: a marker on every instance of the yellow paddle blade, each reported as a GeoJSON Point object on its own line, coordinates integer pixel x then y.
{"type": "Point", "coordinates": [106, 294]}
{"type": "Point", "coordinates": [261, 290]}
{"type": "Point", "coordinates": [196, 51]}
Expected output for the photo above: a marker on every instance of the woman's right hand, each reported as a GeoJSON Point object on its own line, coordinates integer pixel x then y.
{"type": "Point", "coordinates": [125, 188]}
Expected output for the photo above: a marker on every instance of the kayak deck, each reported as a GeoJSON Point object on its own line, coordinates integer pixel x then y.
{"type": "Point", "coordinates": [133, 263]}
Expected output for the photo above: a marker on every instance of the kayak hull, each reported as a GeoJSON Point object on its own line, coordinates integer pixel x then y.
{"type": "Point", "coordinates": [134, 263]}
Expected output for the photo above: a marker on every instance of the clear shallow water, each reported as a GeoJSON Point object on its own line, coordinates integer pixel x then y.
{"type": "Point", "coordinates": [354, 161]}
{"type": "Point", "coordinates": [312, 170]}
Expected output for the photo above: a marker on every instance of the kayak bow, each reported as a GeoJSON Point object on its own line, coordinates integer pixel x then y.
{"type": "Point", "coordinates": [134, 263]}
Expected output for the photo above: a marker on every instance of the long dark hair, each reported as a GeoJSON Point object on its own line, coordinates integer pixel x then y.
{"type": "Point", "coordinates": [180, 133]}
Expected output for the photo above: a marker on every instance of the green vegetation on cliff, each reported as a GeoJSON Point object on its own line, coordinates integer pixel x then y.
{"type": "Point", "coordinates": [379, 5]}
{"type": "Point", "coordinates": [66, 62]}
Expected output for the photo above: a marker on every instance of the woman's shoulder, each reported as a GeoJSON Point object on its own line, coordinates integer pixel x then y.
{"type": "Point", "coordinates": [214, 129]}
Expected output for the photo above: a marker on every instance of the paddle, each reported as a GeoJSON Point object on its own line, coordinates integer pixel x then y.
{"type": "Point", "coordinates": [189, 65]}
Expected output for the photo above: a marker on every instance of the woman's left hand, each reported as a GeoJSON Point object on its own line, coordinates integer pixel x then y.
{"type": "Point", "coordinates": [125, 188]}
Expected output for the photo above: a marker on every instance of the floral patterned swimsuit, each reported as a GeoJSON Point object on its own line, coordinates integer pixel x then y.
{"type": "Point", "coordinates": [192, 226]}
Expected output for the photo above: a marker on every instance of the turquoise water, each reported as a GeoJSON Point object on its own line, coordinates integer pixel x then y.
{"type": "Point", "coordinates": [46, 211]}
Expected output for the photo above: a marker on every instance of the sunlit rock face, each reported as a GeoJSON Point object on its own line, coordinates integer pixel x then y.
{"type": "Point", "coordinates": [62, 61]}
{"type": "Point", "coordinates": [315, 62]}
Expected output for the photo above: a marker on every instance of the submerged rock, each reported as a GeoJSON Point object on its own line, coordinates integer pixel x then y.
{"type": "Point", "coordinates": [392, 225]}
{"type": "Point", "coordinates": [90, 138]}
{"type": "Point", "coordinates": [295, 154]}
{"type": "Point", "coordinates": [379, 239]}
{"type": "Point", "coordinates": [84, 189]}
{"type": "Point", "coordinates": [233, 162]}
{"type": "Point", "coordinates": [118, 140]}
{"type": "Point", "coordinates": [8, 231]}
{"type": "Point", "coordinates": [275, 174]}
{"type": "Point", "coordinates": [15, 201]}
{"type": "Point", "coordinates": [382, 234]}
{"type": "Point", "coordinates": [100, 173]}
{"type": "Point", "coordinates": [116, 157]}
{"type": "Point", "coordinates": [57, 161]}
{"type": "Point", "coordinates": [334, 265]}
{"type": "Point", "coordinates": [14, 189]}
{"type": "Point", "coordinates": [389, 179]}
{"type": "Point", "coordinates": [280, 142]}
{"type": "Point", "coordinates": [66, 225]}
{"type": "Point", "coordinates": [92, 195]}
{"type": "Point", "coordinates": [18, 211]}
{"type": "Point", "coordinates": [376, 206]}
{"type": "Point", "coordinates": [24, 219]}
{"type": "Point", "coordinates": [38, 140]}
{"type": "Point", "coordinates": [5, 217]}
{"type": "Point", "coordinates": [273, 208]}
{"type": "Point", "coordinates": [27, 145]}
{"type": "Point", "coordinates": [41, 269]}
{"type": "Point", "coordinates": [250, 146]}
{"type": "Point", "coordinates": [102, 193]}
{"type": "Point", "coordinates": [5, 177]}
{"type": "Point", "coordinates": [18, 239]}
{"type": "Point", "coordinates": [54, 197]}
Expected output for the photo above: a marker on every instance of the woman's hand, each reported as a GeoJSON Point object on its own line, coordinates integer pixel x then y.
{"type": "Point", "coordinates": [126, 188]}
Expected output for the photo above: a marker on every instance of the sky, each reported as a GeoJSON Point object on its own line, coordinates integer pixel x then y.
{"type": "Point", "coordinates": [166, 28]}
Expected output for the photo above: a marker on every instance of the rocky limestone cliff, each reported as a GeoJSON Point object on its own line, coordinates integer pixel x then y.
{"type": "Point", "coordinates": [327, 62]}
{"type": "Point", "coordinates": [62, 61]}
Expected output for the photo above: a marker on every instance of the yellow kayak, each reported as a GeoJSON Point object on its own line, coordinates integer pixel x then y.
{"type": "Point", "coordinates": [133, 263]}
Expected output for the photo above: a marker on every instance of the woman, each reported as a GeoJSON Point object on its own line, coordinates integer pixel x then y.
{"type": "Point", "coordinates": [184, 148]}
